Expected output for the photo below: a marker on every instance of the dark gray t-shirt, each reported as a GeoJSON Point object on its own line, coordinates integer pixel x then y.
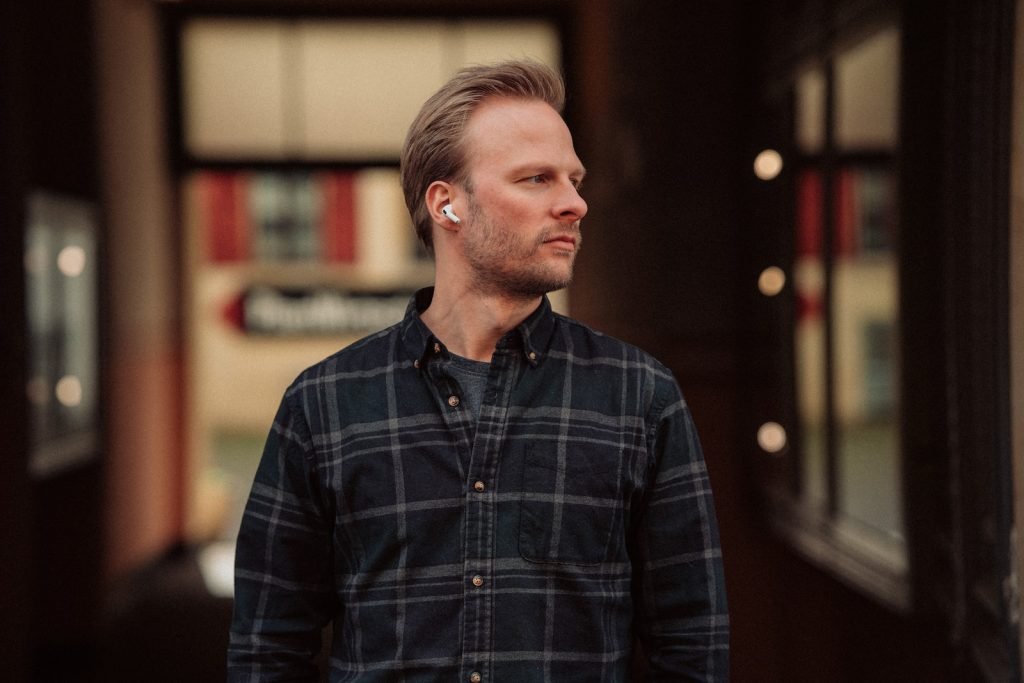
{"type": "Point", "coordinates": [472, 377]}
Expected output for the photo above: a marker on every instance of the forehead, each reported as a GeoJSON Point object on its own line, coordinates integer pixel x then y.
{"type": "Point", "coordinates": [507, 132]}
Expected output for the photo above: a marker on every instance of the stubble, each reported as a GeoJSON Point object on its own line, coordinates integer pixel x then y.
{"type": "Point", "coordinates": [507, 263]}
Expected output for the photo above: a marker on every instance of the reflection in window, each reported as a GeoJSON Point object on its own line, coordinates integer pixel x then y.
{"type": "Point", "coordinates": [809, 337]}
{"type": "Point", "coordinates": [771, 281]}
{"type": "Point", "coordinates": [61, 280]}
{"type": "Point", "coordinates": [810, 111]}
{"type": "Point", "coordinates": [865, 318]}
{"type": "Point", "coordinates": [768, 164]}
{"type": "Point", "coordinates": [867, 93]}
{"type": "Point", "coordinates": [846, 323]}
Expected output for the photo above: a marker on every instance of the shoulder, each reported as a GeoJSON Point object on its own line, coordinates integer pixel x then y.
{"type": "Point", "coordinates": [586, 343]}
{"type": "Point", "coordinates": [618, 361]}
{"type": "Point", "coordinates": [370, 356]}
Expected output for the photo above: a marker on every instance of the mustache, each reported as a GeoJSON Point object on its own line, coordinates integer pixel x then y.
{"type": "Point", "coordinates": [559, 230]}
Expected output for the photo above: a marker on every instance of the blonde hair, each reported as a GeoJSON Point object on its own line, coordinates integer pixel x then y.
{"type": "Point", "coordinates": [433, 148]}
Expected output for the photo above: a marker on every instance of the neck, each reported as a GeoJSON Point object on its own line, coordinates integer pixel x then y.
{"type": "Point", "coordinates": [470, 324]}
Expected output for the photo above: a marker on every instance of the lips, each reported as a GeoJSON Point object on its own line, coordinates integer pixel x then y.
{"type": "Point", "coordinates": [568, 241]}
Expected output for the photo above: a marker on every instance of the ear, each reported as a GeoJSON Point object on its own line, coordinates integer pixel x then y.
{"type": "Point", "coordinates": [440, 194]}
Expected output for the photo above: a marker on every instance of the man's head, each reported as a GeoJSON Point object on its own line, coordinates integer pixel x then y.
{"type": "Point", "coordinates": [519, 232]}
{"type": "Point", "coordinates": [434, 147]}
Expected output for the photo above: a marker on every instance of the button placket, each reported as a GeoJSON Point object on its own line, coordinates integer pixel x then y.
{"type": "Point", "coordinates": [481, 509]}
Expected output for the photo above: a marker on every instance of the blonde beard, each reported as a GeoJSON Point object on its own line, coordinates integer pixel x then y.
{"type": "Point", "coordinates": [503, 263]}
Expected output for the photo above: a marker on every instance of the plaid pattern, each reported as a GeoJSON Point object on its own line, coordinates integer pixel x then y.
{"type": "Point", "coordinates": [531, 546]}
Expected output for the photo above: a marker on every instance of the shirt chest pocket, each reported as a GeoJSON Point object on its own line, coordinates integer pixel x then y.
{"type": "Point", "coordinates": [572, 506]}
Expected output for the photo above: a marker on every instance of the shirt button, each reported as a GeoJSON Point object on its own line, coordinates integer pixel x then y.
{"type": "Point", "coordinates": [478, 581]}
{"type": "Point", "coordinates": [416, 363]}
{"type": "Point", "coordinates": [437, 348]}
{"type": "Point", "coordinates": [475, 677]}
{"type": "Point", "coordinates": [532, 355]}
{"type": "Point", "coordinates": [479, 487]}
{"type": "Point", "coordinates": [453, 401]}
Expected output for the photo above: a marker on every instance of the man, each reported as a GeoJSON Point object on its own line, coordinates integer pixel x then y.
{"type": "Point", "coordinates": [486, 491]}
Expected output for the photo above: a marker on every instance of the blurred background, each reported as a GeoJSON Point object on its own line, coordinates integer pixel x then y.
{"type": "Point", "coordinates": [809, 210]}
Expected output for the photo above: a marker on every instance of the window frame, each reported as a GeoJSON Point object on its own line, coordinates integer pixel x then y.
{"type": "Point", "coordinates": [876, 566]}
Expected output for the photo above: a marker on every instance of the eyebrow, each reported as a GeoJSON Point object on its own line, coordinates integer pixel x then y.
{"type": "Point", "coordinates": [578, 174]}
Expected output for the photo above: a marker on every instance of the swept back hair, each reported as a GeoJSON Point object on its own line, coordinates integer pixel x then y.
{"type": "Point", "coordinates": [434, 148]}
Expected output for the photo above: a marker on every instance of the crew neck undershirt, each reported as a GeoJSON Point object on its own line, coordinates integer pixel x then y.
{"type": "Point", "coordinates": [472, 378]}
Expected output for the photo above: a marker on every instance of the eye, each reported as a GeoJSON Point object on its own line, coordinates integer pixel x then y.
{"type": "Point", "coordinates": [536, 179]}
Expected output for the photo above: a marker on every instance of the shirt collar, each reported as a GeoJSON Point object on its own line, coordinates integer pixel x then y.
{"type": "Point", "coordinates": [532, 336]}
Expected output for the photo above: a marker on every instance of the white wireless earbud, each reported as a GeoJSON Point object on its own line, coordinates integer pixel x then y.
{"type": "Point", "coordinates": [447, 211]}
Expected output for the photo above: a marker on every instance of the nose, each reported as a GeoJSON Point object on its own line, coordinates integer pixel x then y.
{"type": "Point", "coordinates": [571, 206]}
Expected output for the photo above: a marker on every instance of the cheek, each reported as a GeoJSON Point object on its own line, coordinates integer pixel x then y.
{"type": "Point", "coordinates": [524, 218]}
{"type": "Point", "coordinates": [510, 206]}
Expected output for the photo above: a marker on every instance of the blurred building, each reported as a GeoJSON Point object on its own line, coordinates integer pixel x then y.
{"type": "Point", "coordinates": [809, 210]}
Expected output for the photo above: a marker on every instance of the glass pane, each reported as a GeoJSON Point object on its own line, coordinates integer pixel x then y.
{"type": "Point", "coordinates": [867, 93]}
{"type": "Point", "coordinates": [809, 337]}
{"type": "Point", "coordinates": [810, 111]}
{"type": "Point", "coordinates": [61, 304]}
{"type": "Point", "coordinates": [866, 327]}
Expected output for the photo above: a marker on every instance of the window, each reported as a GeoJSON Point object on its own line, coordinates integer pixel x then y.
{"type": "Point", "coordinates": [837, 488]}
{"type": "Point", "coordinates": [886, 358]}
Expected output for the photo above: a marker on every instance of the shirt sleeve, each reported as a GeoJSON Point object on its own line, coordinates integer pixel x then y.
{"type": "Point", "coordinates": [682, 617]}
{"type": "Point", "coordinates": [283, 568]}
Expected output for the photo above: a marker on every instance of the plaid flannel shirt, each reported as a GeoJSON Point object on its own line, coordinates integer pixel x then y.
{"type": "Point", "coordinates": [533, 545]}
